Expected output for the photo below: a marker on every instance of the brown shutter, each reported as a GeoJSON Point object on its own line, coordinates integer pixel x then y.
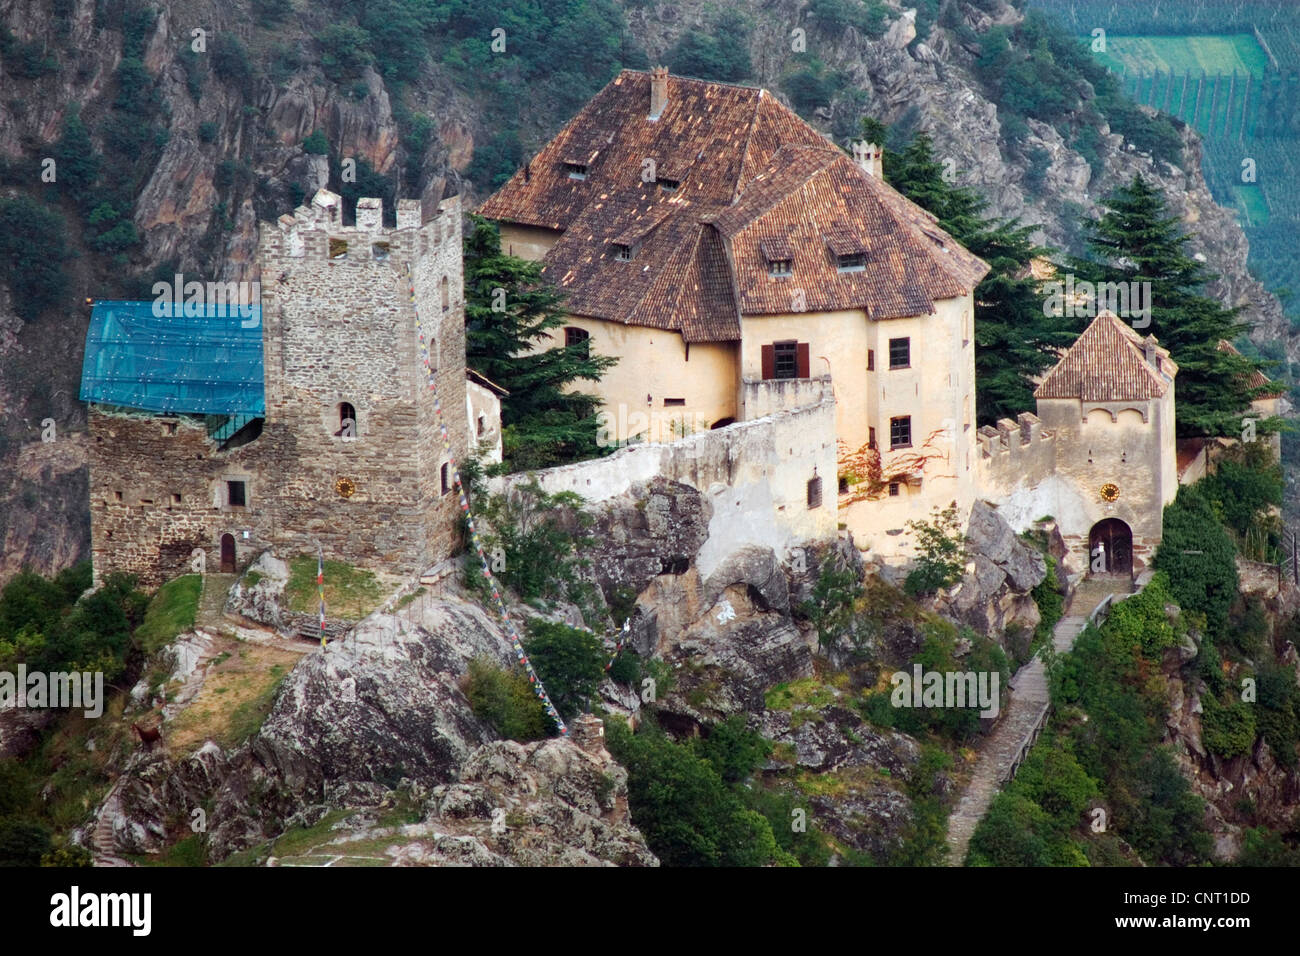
{"type": "Point", "coordinates": [769, 361]}
{"type": "Point", "coordinates": [802, 357]}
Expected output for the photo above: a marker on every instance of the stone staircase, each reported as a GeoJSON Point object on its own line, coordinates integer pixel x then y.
{"type": "Point", "coordinates": [212, 600]}
{"type": "Point", "coordinates": [1026, 712]}
{"type": "Point", "coordinates": [103, 846]}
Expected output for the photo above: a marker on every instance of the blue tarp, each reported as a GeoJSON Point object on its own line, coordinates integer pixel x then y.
{"type": "Point", "coordinates": [203, 360]}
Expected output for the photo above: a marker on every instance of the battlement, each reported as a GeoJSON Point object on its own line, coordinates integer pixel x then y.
{"type": "Point", "coordinates": [1013, 439]}
{"type": "Point", "coordinates": [316, 231]}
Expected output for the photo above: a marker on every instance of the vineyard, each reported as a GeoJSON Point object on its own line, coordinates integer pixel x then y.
{"type": "Point", "coordinates": [1231, 70]}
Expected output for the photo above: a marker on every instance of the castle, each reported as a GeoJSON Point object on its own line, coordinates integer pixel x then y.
{"type": "Point", "coordinates": [309, 425]}
{"type": "Point", "coordinates": [806, 329]}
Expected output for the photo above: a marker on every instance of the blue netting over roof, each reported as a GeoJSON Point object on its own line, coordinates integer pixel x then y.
{"type": "Point", "coordinates": [204, 360]}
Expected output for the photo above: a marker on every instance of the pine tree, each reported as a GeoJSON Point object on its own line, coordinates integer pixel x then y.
{"type": "Point", "coordinates": [1135, 240]}
{"type": "Point", "coordinates": [1014, 339]}
{"type": "Point", "coordinates": [509, 312]}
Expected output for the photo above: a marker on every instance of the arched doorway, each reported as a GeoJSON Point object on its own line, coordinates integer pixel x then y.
{"type": "Point", "coordinates": [1115, 541]}
{"type": "Point", "coordinates": [227, 554]}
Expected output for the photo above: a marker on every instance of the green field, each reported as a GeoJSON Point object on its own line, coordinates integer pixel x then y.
{"type": "Point", "coordinates": [1251, 204]}
{"type": "Point", "coordinates": [1238, 52]}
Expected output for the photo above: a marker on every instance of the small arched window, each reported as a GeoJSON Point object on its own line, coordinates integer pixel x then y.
{"type": "Point", "coordinates": [446, 294]}
{"type": "Point", "coordinates": [579, 337]}
{"type": "Point", "coordinates": [347, 421]}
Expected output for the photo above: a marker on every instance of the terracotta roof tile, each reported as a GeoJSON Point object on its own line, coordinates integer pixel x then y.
{"type": "Point", "coordinates": [1107, 363]}
{"type": "Point", "coordinates": [749, 171]}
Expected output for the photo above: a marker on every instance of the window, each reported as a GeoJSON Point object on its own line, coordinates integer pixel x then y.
{"type": "Point", "coordinates": [176, 499]}
{"type": "Point", "coordinates": [853, 262]}
{"type": "Point", "coordinates": [674, 401]}
{"type": "Point", "coordinates": [446, 485]}
{"type": "Point", "coordinates": [900, 353]}
{"type": "Point", "coordinates": [381, 251]}
{"type": "Point", "coordinates": [668, 185]}
{"type": "Point", "coordinates": [580, 338]}
{"type": "Point", "coordinates": [814, 492]}
{"type": "Point", "coordinates": [900, 432]}
{"type": "Point", "coordinates": [871, 360]}
{"type": "Point", "coordinates": [236, 494]}
{"type": "Point", "coordinates": [445, 286]}
{"type": "Point", "coordinates": [169, 428]}
{"type": "Point", "coordinates": [338, 248]}
{"type": "Point", "coordinates": [479, 426]}
{"type": "Point", "coordinates": [785, 360]}
{"type": "Point", "coordinates": [871, 438]}
{"type": "Point", "coordinates": [893, 489]}
{"type": "Point", "coordinates": [781, 268]}
{"type": "Point", "coordinates": [576, 170]}
{"type": "Point", "coordinates": [146, 501]}
{"type": "Point", "coordinates": [622, 252]}
{"type": "Point", "coordinates": [844, 484]}
{"type": "Point", "coordinates": [347, 421]}
{"type": "Point", "coordinates": [117, 496]}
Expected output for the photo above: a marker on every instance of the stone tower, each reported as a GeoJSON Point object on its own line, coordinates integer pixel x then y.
{"type": "Point", "coordinates": [349, 414]}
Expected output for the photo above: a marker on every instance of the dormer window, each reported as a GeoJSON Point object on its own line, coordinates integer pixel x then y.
{"type": "Point", "coordinates": [847, 248]}
{"type": "Point", "coordinates": [779, 256]}
{"type": "Point", "coordinates": [622, 252]}
{"type": "Point", "coordinates": [576, 170]}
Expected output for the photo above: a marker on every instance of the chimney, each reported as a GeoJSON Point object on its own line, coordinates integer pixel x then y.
{"type": "Point", "coordinates": [658, 91]}
{"type": "Point", "coordinates": [1149, 347]}
{"type": "Point", "coordinates": [870, 158]}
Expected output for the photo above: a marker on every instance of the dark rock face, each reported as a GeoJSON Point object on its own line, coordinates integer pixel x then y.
{"type": "Point", "coordinates": [373, 709]}
{"type": "Point", "coordinates": [1002, 572]}
{"type": "Point", "coordinates": [656, 528]}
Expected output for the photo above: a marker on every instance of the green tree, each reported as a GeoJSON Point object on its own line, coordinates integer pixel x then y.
{"type": "Point", "coordinates": [1198, 557]}
{"type": "Point", "coordinates": [679, 801]}
{"type": "Point", "coordinates": [569, 662]}
{"type": "Point", "coordinates": [941, 552]}
{"type": "Point", "coordinates": [1137, 240]}
{"type": "Point", "coordinates": [722, 53]}
{"type": "Point", "coordinates": [510, 311]}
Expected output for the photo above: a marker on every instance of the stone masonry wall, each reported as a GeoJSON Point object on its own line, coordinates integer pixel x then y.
{"type": "Point", "coordinates": [337, 328]}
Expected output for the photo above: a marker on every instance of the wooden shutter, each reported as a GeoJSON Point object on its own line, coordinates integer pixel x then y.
{"type": "Point", "coordinates": [802, 358]}
{"type": "Point", "coordinates": [769, 361]}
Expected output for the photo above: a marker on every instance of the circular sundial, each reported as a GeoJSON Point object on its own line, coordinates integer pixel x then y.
{"type": "Point", "coordinates": [346, 487]}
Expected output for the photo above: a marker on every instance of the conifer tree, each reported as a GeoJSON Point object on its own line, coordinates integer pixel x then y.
{"type": "Point", "coordinates": [1136, 240]}
{"type": "Point", "coordinates": [509, 312]}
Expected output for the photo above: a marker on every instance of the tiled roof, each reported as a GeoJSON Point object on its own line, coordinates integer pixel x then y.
{"type": "Point", "coordinates": [753, 180]}
{"type": "Point", "coordinates": [1256, 379]}
{"type": "Point", "coordinates": [1107, 363]}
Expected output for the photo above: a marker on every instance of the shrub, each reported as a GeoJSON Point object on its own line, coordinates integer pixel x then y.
{"type": "Point", "coordinates": [345, 51]}
{"type": "Point", "coordinates": [733, 749]}
{"type": "Point", "coordinates": [23, 842]}
{"type": "Point", "coordinates": [681, 804]}
{"type": "Point", "coordinates": [505, 700]}
{"type": "Point", "coordinates": [316, 144]}
{"type": "Point", "coordinates": [942, 552]}
{"type": "Point", "coordinates": [1228, 731]}
{"type": "Point", "coordinates": [831, 606]}
{"type": "Point", "coordinates": [207, 131]}
{"type": "Point", "coordinates": [569, 662]}
{"type": "Point", "coordinates": [1198, 557]}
